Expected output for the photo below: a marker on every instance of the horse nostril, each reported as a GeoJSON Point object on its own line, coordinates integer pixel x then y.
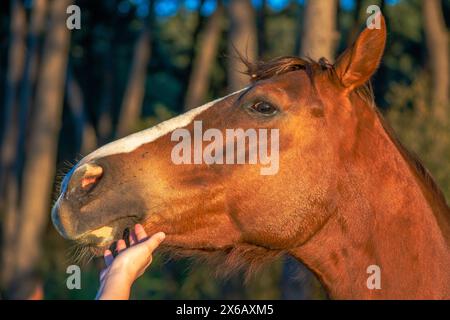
{"type": "Point", "coordinates": [90, 175]}
{"type": "Point", "coordinates": [85, 177]}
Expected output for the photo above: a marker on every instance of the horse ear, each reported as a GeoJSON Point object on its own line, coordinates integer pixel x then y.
{"type": "Point", "coordinates": [358, 63]}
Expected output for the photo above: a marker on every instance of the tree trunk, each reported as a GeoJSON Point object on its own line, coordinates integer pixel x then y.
{"type": "Point", "coordinates": [28, 82]}
{"type": "Point", "coordinates": [262, 34]}
{"type": "Point", "coordinates": [104, 122]}
{"type": "Point", "coordinates": [85, 133]}
{"type": "Point", "coordinates": [193, 51]}
{"type": "Point", "coordinates": [319, 36]}
{"type": "Point", "coordinates": [437, 44]}
{"type": "Point", "coordinates": [9, 228]}
{"type": "Point", "coordinates": [39, 167]}
{"type": "Point", "coordinates": [16, 58]}
{"type": "Point", "coordinates": [298, 27]}
{"type": "Point", "coordinates": [204, 60]}
{"type": "Point", "coordinates": [8, 178]}
{"type": "Point", "coordinates": [134, 93]}
{"type": "Point", "coordinates": [354, 31]}
{"type": "Point", "coordinates": [242, 41]}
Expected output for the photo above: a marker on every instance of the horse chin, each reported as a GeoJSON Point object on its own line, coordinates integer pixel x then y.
{"type": "Point", "coordinates": [97, 241]}
{"type": "Point", "coordinates": [91, 249]}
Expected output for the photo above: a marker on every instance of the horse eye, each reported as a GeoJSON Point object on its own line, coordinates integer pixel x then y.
{"type": "Point", "coordinates": [264, 108]}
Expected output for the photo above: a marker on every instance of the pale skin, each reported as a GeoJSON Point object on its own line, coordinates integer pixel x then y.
{"type": "Point", "coordinates": [130, 263]}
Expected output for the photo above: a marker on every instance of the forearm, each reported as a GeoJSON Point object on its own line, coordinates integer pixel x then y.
{"type": "Point", "coordinates": [115, 287]}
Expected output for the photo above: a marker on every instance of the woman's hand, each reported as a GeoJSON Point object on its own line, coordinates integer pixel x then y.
{"type": "Point", "coordinates": [130, 263]}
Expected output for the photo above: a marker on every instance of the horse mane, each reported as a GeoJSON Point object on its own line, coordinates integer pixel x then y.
{"type": "Point", "coordinates": [415, 163]}
{"type": "Point", "coordinates": [261, 70]}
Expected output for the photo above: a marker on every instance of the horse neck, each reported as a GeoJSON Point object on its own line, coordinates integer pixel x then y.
{"type": "Point", "coordinates": [386, 216]}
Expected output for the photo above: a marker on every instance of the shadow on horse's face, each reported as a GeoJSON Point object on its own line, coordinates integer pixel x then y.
{"type": "Point", "coordinates": [221, 206]}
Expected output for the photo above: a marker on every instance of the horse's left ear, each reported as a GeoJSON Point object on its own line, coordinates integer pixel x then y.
{"type": "Point", "coordinates": [358, 63]}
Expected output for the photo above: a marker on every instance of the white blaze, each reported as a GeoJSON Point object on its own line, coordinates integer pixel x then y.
{"type": "Point", "coordinates": [135, 140]}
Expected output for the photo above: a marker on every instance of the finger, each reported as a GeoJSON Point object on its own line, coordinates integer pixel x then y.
{"type": "Point", "coordinates": [140, 232]}
{"type": "Point", "coordinates": [154, 241]}
{"type": "Point", "coordinates": [109, 258]}
{"type": "Point", "coordinates": [121, 245]}
{"type": "Point", "coordinates": [132, 238]}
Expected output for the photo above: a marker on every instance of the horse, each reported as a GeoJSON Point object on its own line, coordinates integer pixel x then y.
{"type": "Point", "coordinates": [347, 200]}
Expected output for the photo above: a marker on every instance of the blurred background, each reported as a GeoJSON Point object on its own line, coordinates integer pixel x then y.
{"type": "Point", "coordinates": [134, 63]}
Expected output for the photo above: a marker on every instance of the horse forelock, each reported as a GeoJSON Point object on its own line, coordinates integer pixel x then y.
{"type": "Point", "coordinates": [262, 70]}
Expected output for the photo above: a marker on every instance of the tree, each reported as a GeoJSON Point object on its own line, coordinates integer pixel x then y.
{"type": "Point", "coordinates": [436, 36]}
{"type": "Point", "coordinates": [242, 40]}
{"type": "Point", "coordinates": [28, 81]}
{"type": "Point", "coordinates": [8, 179]}
{"type": "Point", "coordinates": [16, 58]}
{"type": "Point", "coordinates": [356, 23]}
{"type": "Point", "coordinates": [109, 71]}
{"type": "Point", "coordinates": [204, 60]}
{"type": "Point", "coordinates": [319, 36]}
{"type": "Point", "coordinates": [262, 28]}
{"type": "Point", "coordinates": [135, 91]}
{"type": "Point", "coordinates": [38, 172]}
{"type": "Point", "coordinates": [85, 134]}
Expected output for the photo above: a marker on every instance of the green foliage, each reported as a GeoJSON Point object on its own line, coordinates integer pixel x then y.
{"type": "Point", "coordinates": [420, 129]}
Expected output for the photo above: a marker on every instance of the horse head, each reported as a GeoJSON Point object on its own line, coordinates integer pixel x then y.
{"type": "Point", "coordinates": [225, 208]}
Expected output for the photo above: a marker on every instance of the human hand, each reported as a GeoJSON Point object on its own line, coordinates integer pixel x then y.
{"type": "Point", "coordinates": [130, 263]}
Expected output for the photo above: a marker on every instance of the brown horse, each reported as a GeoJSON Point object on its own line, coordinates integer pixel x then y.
{"type": "Point", "coordinates": [347, 196]}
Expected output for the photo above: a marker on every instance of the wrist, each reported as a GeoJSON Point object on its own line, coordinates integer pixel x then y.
{"type": "Point", "coordinates": [121, 275]}
{"type": "Point", "coordinates": [116, 286]}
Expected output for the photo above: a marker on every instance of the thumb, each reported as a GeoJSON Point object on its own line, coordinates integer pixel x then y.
{"type": "Point", "coordinates": [154, 241]}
